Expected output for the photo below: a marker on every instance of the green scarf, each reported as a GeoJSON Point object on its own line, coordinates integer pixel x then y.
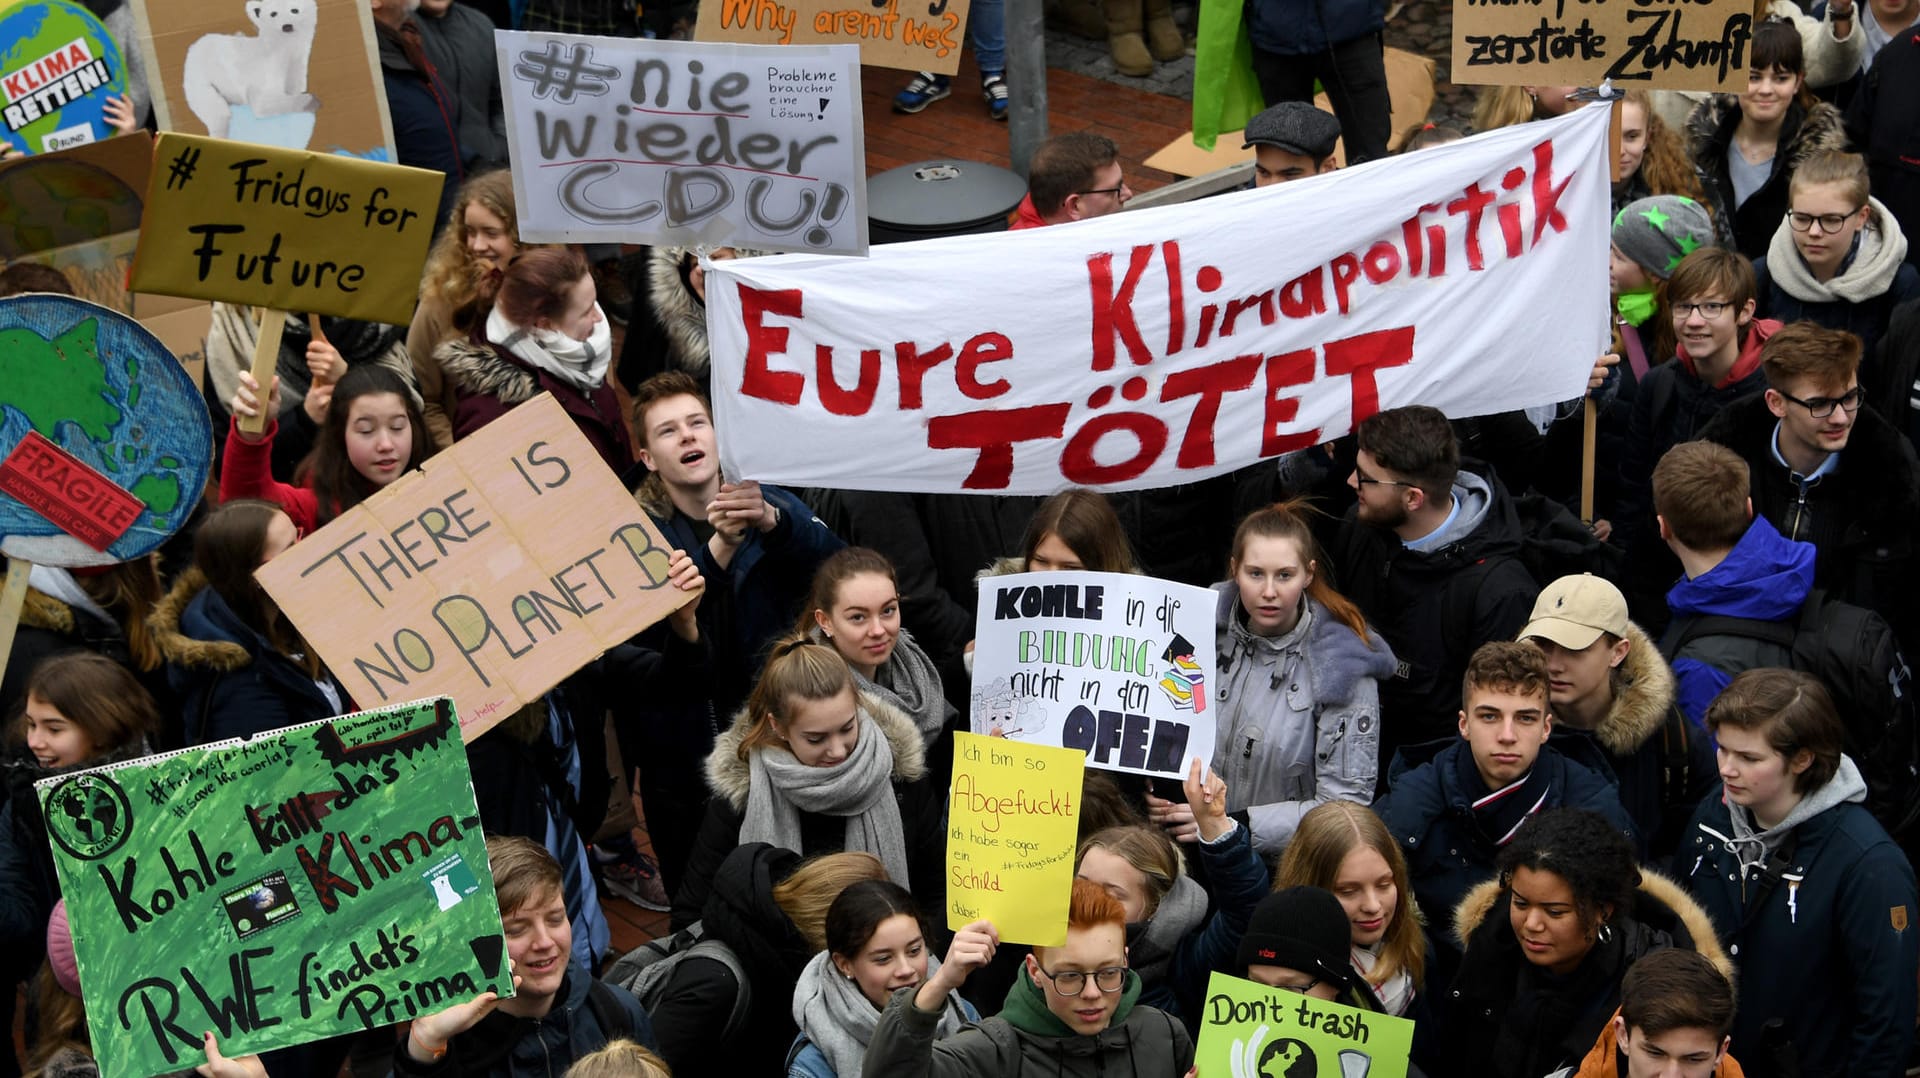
{"type": "Point", "coordinates": [1635, 307]}
{"type": "Point", "coordinates": [1026, 1008]}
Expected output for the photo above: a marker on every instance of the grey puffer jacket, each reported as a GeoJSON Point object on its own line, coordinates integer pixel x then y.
{"type": "Point", "coordinates": [1299, 721]}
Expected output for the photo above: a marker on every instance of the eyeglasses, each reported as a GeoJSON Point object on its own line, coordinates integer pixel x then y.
{"type": "Point", "coordinates": [1072, 982]}
{"type": "Point", "coordinates": [1829, 222]}
{"type": "Point", "coordinates": [1361, 479]}
{"type": "Point", "coordinates": [1114, 191]}
{"type": "Point", "coordinates": [1708, 311]}
{"type": "Point", "coordinates": [1303, 989]}
{"type": "Point", "coordinates": [1822, 407]}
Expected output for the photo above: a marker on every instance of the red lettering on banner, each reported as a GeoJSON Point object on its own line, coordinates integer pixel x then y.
{"type": "Point", "coordinates": [1286, 369]}
{"type": "Point", "coordinates": [1078, 465]}
{"type": "Point", "coordinates": [61, 487]}
{"type": "Point", "coordinates": [1546, 196]}
{"type": "Point", "coordinates": [859, 399]}
{"type": "Point", "coordinates": [1305, 295]}
{"type": "Point", "coordinates": [1209, 384]}
{"type": "Point", "coordinates": [1358, 357]}
{"type": "Point", "coordinates": [1113, 308]}
{"type": "Point", "coordinates": [1176, 299]}
{"type": "Point", "coordinates": [764, 341]}
{"type": "Point", "coordinates": [982, 348]}
{"type": "Point", "coordinates": [994, 433]}
{"type": "Point", "coordinates": [1470, 205]}
{"type": "Point", "coordinates": [1346, 270]}
{"type": "Point", "coordinates": [913, 366]}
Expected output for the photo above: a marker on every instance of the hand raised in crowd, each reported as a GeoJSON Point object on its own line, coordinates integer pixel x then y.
{"type": "Point", "coordinates": [427, 1039]}
{"type": "Point", "coordinates": [972, 948]}
{"type": "Point", "coordinates": [685, 575]}
{"type": "Point", "coordinates": [219, 1066]}
{"type": "Point", "coordinates": [118, 112]}
{"type": "Point", "coordinates": [1177, 819]}
{"type": "Point", "coordinates": [246, 404]}
{"type": "Point", "coordinates": [744, 506]}
{"type": "Point", "coordinates": [1207, 801]}
{"type": "Point", "coordinates": [319, 397]}
{"type": "Point", "coordinates": [1601, 366]}
{"type": "Point", "coordinates": [324, 362]}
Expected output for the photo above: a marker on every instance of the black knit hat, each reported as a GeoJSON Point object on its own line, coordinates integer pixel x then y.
{"type": "Point", "coordinates": [1301, 928]}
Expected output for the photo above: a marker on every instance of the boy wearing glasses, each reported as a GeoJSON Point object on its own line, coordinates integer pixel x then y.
{"type": "Point", "coordinates": [1827, 471]}
{"type": "Point", "coordinates": [1072, 1011]}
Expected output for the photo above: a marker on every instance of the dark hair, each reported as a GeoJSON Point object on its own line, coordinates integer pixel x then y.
{"type": "Point", "coordinates": [861, 909]}
{"type": "Point", "coordinates": [1711, 270]}
{"type": "Point", "coordinates": [1065, 165]}
{"type": "Point", "coordinates": [1700, 490]}
{"type": "Point", "coordinates": [1104, 804]}
{"type": "Point", "coordinates": [1515, 666]}
{"type": "Point", "coordinates": [337, 485]}
{"type": "Point", "coordinates": [229, 546]}
{"type": "Point", "coordinates": [1776, 47]}
{"type": "Point", "coordinates": [843, 565]}
{"type": "Point", "coordinates": [23, 277]}
{"type": "Point", "coordinates": [101, 698]}
{"type": "Point", "coordinates": [1676, 988]}
{"type": "Point", "coordinates": [1793, 711]}
{"type": "Point", "coordinates": [1288, 520]}
{"type": "Point", "coordinates": [1582, 848]}
{"type": "Point", "coordinates": [1831, 357]}
{"type": "Point", "coordinates": [1085, 521]}
{"type": "Point", "coordinates": [1416, 443]}
{"type": "Point", "coordinates": [534, 288]}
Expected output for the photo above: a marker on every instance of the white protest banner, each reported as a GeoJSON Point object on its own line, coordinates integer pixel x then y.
{"type": "Point", "coordinates": [1162, 346]}
{"type": "Point", "coordinates": [680, 142]}
{"type": "Point", "coordinates": [1112, 664]}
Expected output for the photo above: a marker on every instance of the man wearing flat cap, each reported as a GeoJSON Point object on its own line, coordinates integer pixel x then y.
{"type": "Point", "coordinates": [1291, 141]}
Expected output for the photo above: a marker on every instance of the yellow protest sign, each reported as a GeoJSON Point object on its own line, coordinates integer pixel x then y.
{"type": "Point", "coordinates": [501, 567]}
{"type": "Point", "coordinates": [287, 230]}
{"type": "Point", "coordinates": [1013, 820]}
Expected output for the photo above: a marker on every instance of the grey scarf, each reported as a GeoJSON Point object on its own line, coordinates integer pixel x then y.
{"type": "Point", "coordinates": [908, 681]}
{"type": "Point", "coordinates": [1180, 914]}
{"type": "Point", "coordinates": [859, 788]}
{"type": "Point", "coordinates": [829, 1009]}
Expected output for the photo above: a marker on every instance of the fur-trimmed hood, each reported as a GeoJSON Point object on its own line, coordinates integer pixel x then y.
{"type": "Point", "coordinates": [681, 316]}
{"type": "Point", "coordinates": [42, 611]}
{"type": "Point", "coordinates": [1710, 130]}
{"type": "Point", "coordinates": [728, 774]}
{"type": "Point", "coordinates": [181, 649]}
{"type": "Point", "coordinates": [1662, 904]}
{"type": "Point", "coordinates": [483, 370]}
{"type": "Point", "coordinates": [1642, 694]}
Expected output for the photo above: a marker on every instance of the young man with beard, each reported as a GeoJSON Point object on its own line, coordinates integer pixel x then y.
{"type": "Point", "coordinates": [1829, 471]}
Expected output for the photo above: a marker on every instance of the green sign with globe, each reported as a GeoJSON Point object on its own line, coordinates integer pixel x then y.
{"type": "Point", "coordinates": [1252, 1031]}
{"type": "Point", "coordinates": [107, 396]}
{"type": "Point", "coordinates": [57, 66]}
{"type": "Point", "coordinates": [308, 882]}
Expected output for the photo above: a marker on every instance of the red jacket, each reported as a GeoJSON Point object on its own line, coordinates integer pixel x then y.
{"type": "Point", "coordinates": [246, 471]}
{"type": "Point", "coordinates": [1604, 1060]}
{"type": "Point", "coordinates": [1025, 216]}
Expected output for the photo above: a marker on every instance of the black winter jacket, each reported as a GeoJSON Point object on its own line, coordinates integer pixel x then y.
{"type": "Point", "coordinates": [1709, 139]}
{"type": "Point", "coordinates": [1884, 121]}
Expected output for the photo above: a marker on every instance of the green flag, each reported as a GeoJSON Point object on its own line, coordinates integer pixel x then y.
{"type": "Point", "coordinates": [1225, 92]}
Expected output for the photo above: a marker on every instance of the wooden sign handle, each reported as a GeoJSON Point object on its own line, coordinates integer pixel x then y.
{"type": "Point", "coordinates": [12, 597]}
{"type": "Point", "coordinates": [1587, 441]}
{"type": "Point", "coordinates": [266, 358]}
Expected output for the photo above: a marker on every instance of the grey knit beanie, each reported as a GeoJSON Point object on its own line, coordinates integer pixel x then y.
{"type": "Point", "coordinates": [1658, 232]}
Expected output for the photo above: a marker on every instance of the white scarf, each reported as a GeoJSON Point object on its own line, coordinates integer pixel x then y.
{"type": "Point", "coordinates": [1396, 992]}
{"type": "Point", "coordinates": [1882, 249]}
{"type": "Point", "coordinates": [582, 364]}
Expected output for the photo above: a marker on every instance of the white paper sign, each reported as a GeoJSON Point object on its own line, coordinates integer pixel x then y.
{"type": "Point", "coordinates": [678, 142]}
{"type": "Point", "coordinates": [1115, 665]}
{"type": "Point", "coordinates": [1161, 346]}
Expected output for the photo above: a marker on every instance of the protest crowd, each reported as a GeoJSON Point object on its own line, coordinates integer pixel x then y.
{"type": "Point", "coordinates": [1630, 795]}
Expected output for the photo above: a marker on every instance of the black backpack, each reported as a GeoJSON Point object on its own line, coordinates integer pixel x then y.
{"type": "Point", "coordinates": [1852, 650]}
{"type": "Point", "coordinates": [652, 970]}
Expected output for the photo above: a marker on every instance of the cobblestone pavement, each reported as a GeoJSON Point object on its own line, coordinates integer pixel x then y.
{"type": "Point", "coordinates": [1422, 27]}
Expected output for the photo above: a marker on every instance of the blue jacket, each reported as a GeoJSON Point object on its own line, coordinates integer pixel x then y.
{"type": "Point", "coordinates": [1430, 813]}
{"type": "Point", "coordinates": [1832, 958]}
{"type": "Point", "coordinates": [1765, 577]}
{"type": "Point", "coordinates": [1300, 27]}
{"type": "Point", "coordinates": [1175, 980]}
{"type": "Point", "coordinates": [507, 1046]}
{"type": "Point", "coordinates": [230, 680]}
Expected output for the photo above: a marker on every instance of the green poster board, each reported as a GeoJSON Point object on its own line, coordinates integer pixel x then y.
{"type": "Point", "coordinates": [311, 881]}
{"type": "Point", "coordinates": [1252, 1031]}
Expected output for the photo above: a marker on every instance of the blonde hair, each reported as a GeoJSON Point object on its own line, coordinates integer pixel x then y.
{"type": "Point", "coordinates": [1502, 106]}
{"type": "Point", "coordinates": [619, 1059]}
{"type": "Point", "coordinates": [1320, 845]}
{"type": "Point", "coordinates": [798, 669]}
{"type": "Point", "coordinates": [1849, 170]}
{"type": "Point", "coordinates": [807, 894]}
{"type": "Point", "coordinates": [1147, 849]}
{"type": "Point", "coordinates": [451, 277]}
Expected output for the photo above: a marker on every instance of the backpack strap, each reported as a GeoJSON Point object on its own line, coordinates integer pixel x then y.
{"type": "Point", "coordinates": [1676, 768]}
{"type": "Point", "coordinates": [607, 1010]}
{"type": "Point", "coordinates": [1685, 630]}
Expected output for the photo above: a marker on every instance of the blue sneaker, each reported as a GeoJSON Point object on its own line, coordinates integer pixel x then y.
{"type": "Point", "coordinates": [924, 90]}
{"type": "Point", "coordinates": [993, 87]}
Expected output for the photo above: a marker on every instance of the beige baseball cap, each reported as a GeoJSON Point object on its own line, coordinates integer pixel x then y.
{"type": "Point", "coordinates": [1574, 610]}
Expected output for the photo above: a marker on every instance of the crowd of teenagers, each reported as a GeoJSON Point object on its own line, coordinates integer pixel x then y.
{"type": "Point", "coordinates": [1632, 796]}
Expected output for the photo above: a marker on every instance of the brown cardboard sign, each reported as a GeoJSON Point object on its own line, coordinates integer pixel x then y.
{"type": "Point", "coordinates": [1662, 45]}
{"type": "Point", "coordinates": [501, 567]}
{"type": "Point", "coordinates": [912, 35]}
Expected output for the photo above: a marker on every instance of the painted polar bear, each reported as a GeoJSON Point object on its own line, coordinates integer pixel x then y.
{"type": "Point", "coordinates": [236, 78]}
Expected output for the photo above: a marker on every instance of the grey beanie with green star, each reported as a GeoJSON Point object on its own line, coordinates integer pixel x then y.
{"type": "Point", "coordinates": [1658, 232]}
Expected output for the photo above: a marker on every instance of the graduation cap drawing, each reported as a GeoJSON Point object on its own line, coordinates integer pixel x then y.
{"type": "Point", "coordinates": [1184, 681]}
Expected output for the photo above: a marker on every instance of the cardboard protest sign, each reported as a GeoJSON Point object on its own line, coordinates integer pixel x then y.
{"type": "Point", "coordinates": [296, 74]}
{"type": "Point", "coordinates": [105, 444]}
{"type": "Point", "coordinates": [92, 192]}
{"type": "Point", "coordinates": [1013, 819]}
{"type": "Point", "coordinates": [285, 229]}
{"type": "Point", "coordinates": [58, 65]}
{"type": "Point", "coordinates": [311, 881]}
{"type": "Point", "coordinates": [505, 564]}
{"type": "Point", "coordinates": [919, 35]}
{"type": "Point", "coordinates": [683, 143]}
{"type": "Point", "coordinates": [1251, 1031]}
{"type": "Point", "coordinates": [1158, 347]}
{"type": "Point", "coordinates": [1112, 665]}
{"type": "Point", "coordinates": [1694, 46]}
